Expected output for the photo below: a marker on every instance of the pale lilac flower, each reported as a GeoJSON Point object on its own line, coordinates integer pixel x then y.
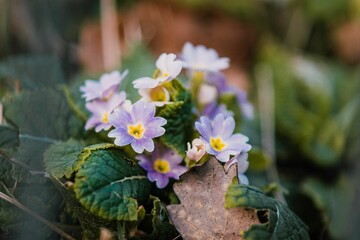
{"type": "Point", "coordinates": [200, 58]}
{"type": "Point", "coordinates": [101, 110]}
{"type": "Point", "coordinates": [213, 109]}
{"type": "Point", "coordinates": [103, 89]}
{"type": "Point", "coordinates": [219, 137]}
{"type": "Point", "coordinates": [158, 95]}
{"type": "Point", "coordinates": [219, 81]}
{"type": "Point", "coordinates": [197, 151]}
{"type": "Point", "coordinates": [242, 165]}
{"type": "Point", "coordinates": [168, 67]}
{"type": "Point", "coordinates": [162, 165]}
{"type": "Point", "coordinates": [246, 107]}
{"type": "Point", "coordinates": [137, 127]}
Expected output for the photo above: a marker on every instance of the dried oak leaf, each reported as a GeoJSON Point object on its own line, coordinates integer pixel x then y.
{"type": "Point", "coordinates": [201, 214]}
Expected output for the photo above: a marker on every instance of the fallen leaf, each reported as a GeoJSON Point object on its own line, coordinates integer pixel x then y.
{"type": "Point", "coordinates": [202, 213]}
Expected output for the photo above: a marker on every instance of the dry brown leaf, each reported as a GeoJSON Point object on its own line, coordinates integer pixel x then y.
{"type": "Point", "coordinates": [201, 214]}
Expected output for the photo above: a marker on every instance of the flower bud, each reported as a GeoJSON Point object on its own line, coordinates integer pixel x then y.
{"type": "Point", "coordinates": [197, 151]}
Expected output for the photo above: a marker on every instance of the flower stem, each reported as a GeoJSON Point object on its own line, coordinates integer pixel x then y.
{"type": "Point", "coordinates": [121, 230]}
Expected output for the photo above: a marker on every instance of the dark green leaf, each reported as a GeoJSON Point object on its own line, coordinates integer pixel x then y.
{"type": "Point", "coordinates": [278, 221]}
{"type": "Point", "coordinates": [31, 72]}
{"type": "Point", "coordinates": [90, 223]}
{"type": "Point", "coordinates": [42, 113]}
{"type": "Point", "coordinates": [42, 117]}
{"type": "Point", "coordinates": [111, 185]}
{"type": "Point", "coordinates": [9, 137]}
{"type": "Point", "coordinates": [179, 118]}
{"type": "Point", "coordinates": [163, 229]}
{"type": "Point", "coordinates": [336, 201]}
{"type": "Point", "coordinates": [62, 158]}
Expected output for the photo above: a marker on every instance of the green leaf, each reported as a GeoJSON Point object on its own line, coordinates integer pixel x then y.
{"type": "Point", "coordinates": [42, 113]}
{"type": "Point", "coordinates": [336, 201]}
{"type": "Point", "coordinates": [179, 118]}
{"type": "Point", "coordinates": [162, 227]}
{"type": "Point", "coordinates": [90, 223]}
{"type": "Point", "coordinates": [42, 117]}
{"type": "Point", "coordinates": [31, 72]}
{"type": "Point", "coordinates": [278, 221]}
{"type": "Point", "coordinates": [111, 185]}
{"type": "Point", "coordinates": [62, 158]}
{"type": "Point", "coordinates": [9, 137]}
{"type": "Point", "coordinates": [9, 141]}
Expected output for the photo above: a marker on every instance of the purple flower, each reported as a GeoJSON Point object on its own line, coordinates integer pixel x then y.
{"type": "Point", "coordinates": [242, 165]}
{"type": "Point", "coordinates": [200, 58]}
{"type": "Point", "coordinates": [168, 67]}
{"type": "Point", "coordinates": [219, 81]}
{"type": "Point", "coordinates": [101, 110]}
{"type": "Point", "coordinates": [219, 137]}
{"type": "Point", "coordinates": [247, 108]}
{"type": "Point", "coordinates": [103, 89]}
{"type": "Point", "coordinates": [213, 109]}
{"type": "Point", "coordinates": [162, 165]}
{"type": "Point", "coordinates": [137, 127]}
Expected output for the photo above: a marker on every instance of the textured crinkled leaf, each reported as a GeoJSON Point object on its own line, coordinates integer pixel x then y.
{"type": "Point", "coordinates": [62, 158]}
{"type": "Point", "coordinates": [336, 201]}
{"type": "Point", "coordinates": [31, 72]}
{"type": "Point", "coordinates": [202, 213]}
{"type": "Point", "coordinates": [111, 185]}
{"type": "Point", "coordinates": [179, 118]}
{"type": "Point", "coordinates": [277, 220]}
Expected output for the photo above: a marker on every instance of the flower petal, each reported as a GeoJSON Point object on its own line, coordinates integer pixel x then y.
{"type": "Point", "coordinates": [228, 127]}
{"type": "Point", "coordinates": [145, 82]}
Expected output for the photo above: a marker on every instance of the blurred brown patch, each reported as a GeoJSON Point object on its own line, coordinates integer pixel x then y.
{"type": "Point", "coordinates": [166, 27]}
{"type": "Point", "coordinates": [347, 41]}
{"type": "Point", "coordinates": [90, 48]}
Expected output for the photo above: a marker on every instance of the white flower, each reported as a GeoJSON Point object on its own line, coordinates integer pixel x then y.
{"type": "Point", "coordinates": [197, 151]}
{"type": "Point", "coordinates": [168, 67]}
{"type": "Point", "coordinates": [104, 88]}
{"type": "Point", "coordinates": [158, 95]}
{"type": "Point", "coordinates": [200, 58]}
{"type": "Point", "coordinates": [207, 94]}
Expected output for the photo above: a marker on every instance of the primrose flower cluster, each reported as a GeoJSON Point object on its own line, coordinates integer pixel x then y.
{"type": "Point", "coordinates": [138, 125]}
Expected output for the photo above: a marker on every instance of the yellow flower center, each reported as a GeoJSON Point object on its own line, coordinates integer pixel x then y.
{"type": "Point", "coordinates": [217, 144]}
{"type": "Point", "coordinates": [165, 74]}
{"type": "Point", "coordinates": [162, 166]}
{"type": "Point", "coordinates": [105, 118]}
{"type": "Point", "coordinates": [158, 94]}
{"type": "Point", "coordinates": [198, 75]}
{"type": "Point", "coordinates": [136, 130]}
